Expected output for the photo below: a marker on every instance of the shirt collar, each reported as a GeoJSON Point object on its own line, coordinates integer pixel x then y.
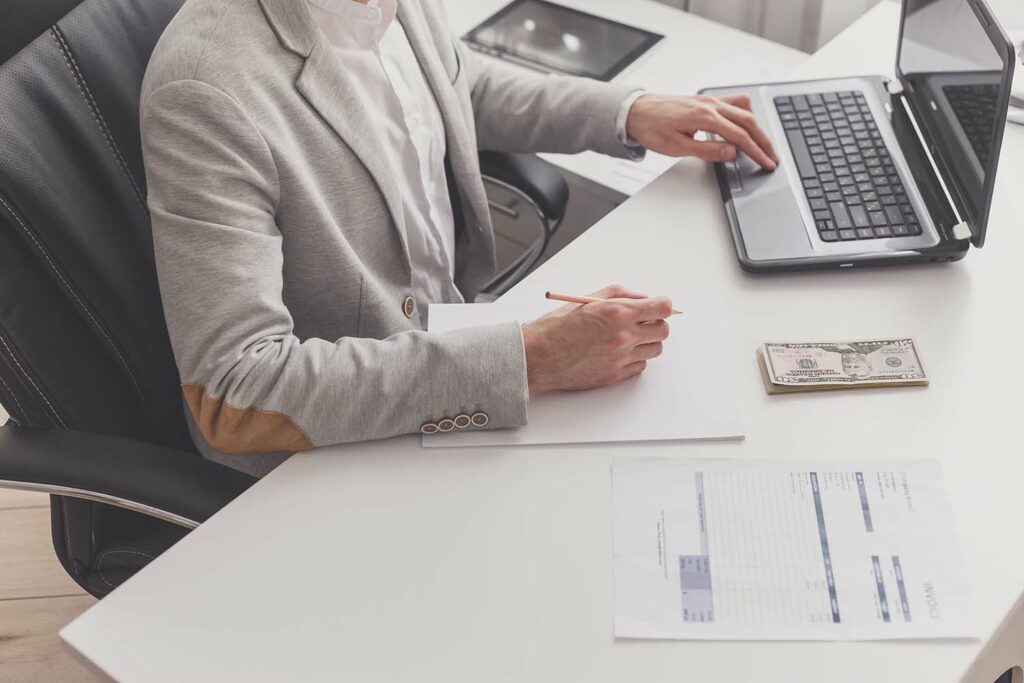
{"type": "Point", "coordinates": [347, 23]}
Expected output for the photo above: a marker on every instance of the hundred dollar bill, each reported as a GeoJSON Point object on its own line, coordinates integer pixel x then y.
{"type": "Point", "coordinates": [835, 365]}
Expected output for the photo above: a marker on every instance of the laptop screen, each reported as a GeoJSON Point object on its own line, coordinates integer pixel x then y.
{"type": "Point", "coordinates": [956, 77]}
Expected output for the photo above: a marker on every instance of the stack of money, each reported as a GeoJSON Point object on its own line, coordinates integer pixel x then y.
{"type": "Point", "coordinates": [821, 366]}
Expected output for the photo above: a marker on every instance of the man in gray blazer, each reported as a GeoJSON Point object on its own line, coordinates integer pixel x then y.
{"type": "Point", "coordinates": [314, 186]}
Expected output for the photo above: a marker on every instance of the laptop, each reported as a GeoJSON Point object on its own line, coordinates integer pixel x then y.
{"type": "Point", "coordinates": [876, 171]}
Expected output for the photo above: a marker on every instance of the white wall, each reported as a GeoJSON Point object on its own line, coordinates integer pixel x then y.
{"type": "Point", "coordinates": [803, 24]}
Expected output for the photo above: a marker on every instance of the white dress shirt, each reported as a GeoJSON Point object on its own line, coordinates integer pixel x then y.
{"type": "Point", "coordinates": [379, 61]}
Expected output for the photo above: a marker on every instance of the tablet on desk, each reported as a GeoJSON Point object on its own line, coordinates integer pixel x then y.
{"type": "Point", "coordinates": [552, 38]}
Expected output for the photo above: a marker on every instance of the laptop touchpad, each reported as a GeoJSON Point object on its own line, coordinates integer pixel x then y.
{"type": "Point", "coordinates": [772, 225]}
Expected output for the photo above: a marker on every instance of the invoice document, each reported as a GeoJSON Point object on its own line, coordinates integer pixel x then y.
{"type": "Point", "coordinates": [689, 392]}
{"type": "Point", "coordinates": [796, 550]}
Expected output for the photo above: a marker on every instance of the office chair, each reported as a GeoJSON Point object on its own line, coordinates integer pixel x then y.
{"type": "Point", "coordinates": [86, 369]}
{"type": "Point", "coordinates": [536, 183]}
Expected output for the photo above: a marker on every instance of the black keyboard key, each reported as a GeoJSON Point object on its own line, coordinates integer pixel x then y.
{"type": "Point", "coordinates": [800, 103]}
{"type": "Point", "coordinates": [822, 215]}
{"type": "Point", "coordinates": [800, 153]}
{"type": "Point", "coordinates": [830, 236]}
{"type": "Point", "coordinates": [900, 231]}
{"type": "Point", "coordinates": [841, 215]}
{"type": "Point", "coordinates": [884, 231]}
{"type": "Point", "coordinates": [865, 233]}
{"type": "Point", "coordinates": [860, 217]}
{"type": "Point", "coordinates": [847, 235]}
{"type": "Point", "coordinates": [818, 204]}
{"type": "Point", "coordinates": [877, 218]}
{"type": "Point", "coordinates": [893, 214]}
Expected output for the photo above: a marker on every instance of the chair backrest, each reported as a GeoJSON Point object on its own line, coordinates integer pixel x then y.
{"type": "Point", "coordinates": [83, 343]}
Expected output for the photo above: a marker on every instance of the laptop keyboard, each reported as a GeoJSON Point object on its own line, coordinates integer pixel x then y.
{"type": "Point", "coordinates": [848, 176]}
{"type": "Point", "coordinates": [975, 109]}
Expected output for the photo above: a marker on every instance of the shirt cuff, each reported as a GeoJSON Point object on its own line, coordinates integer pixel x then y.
{"type": "Point", "coordinates": [636, 152]}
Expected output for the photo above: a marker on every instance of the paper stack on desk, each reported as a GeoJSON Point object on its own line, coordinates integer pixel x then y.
{"type": "Point", "coordinates": [689, 392]}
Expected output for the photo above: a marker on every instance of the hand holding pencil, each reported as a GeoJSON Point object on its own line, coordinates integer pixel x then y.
{"type": "Point", "coordinates": [611, 337]}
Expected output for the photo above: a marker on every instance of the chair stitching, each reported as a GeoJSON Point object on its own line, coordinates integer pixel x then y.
{"type": "Point", "coordinates": [104, 580]}
{"type": "Point", "coordinates": [67, 530]}
{"type": "Point", "coordinates": [14, 398]}
{"type": "Point", "coordinates": [27, 376]}
{"type": "Point", "coordinates": [71, 290]}
{"type": "Point", "coordinates": [83, 88]}
{"type": "Point", "coordinates": [114, 551]}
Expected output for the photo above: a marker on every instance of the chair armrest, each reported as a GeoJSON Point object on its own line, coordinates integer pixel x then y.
{"type": "Point", "coordinates": [531, 175]}
{"type": "Point", "coordinates": [176, 486]}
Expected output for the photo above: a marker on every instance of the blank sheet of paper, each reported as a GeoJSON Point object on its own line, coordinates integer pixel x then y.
{"type": "Point", "coordinates": [688, 393]}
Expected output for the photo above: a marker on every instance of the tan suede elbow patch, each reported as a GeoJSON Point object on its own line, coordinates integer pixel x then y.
{"type": "Point", "coordinates": [242, 431]}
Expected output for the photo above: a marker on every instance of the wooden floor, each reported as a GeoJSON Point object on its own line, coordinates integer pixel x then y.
{"type": "Point", "coordinates": [37, 598]}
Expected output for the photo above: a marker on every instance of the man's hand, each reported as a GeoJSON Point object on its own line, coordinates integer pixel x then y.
{"type": "Point", "coordinates": [588, 346]}
{"type": "Point", "coordinates": [668, 125]}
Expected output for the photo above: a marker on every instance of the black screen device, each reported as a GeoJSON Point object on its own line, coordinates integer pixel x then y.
{"type": "Point", "coordinates": [556, 39]}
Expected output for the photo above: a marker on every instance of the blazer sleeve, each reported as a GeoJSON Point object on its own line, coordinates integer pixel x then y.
{"type": "Point", "coordinates": [251, 385]}
{"type": "Point", "coordinates": [517, 111]}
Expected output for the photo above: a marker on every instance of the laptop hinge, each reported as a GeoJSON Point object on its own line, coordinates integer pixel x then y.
{"type": "Point", "coordinates": [961, 229]}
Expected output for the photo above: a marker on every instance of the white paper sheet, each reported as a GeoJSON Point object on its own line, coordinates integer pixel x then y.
{"type": "Point", "coordinates": [730, 550]}
{"type": "Point", "coordinates": [689, 392]}
{"type": "Point", "coordinates": [639, 174]}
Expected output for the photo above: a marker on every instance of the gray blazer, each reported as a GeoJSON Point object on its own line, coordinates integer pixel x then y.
{"type": "Point", "coordinates": [279, 235]}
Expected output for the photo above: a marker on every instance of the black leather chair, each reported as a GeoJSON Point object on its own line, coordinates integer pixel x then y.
{"type": "Point", "coordinates": [86, 370]}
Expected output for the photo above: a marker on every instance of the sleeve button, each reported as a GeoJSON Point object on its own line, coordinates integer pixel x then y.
{"type": "Point", "coordinates": [480, 419]}
{"type": "Point", "coordinates": [446, 425]}
{"type": "Point", "coordinates": [463, 421]}
{"type": "Point", "coordinates": [428, 428]}
{"type": "Point", "coordinates": [408, 306]}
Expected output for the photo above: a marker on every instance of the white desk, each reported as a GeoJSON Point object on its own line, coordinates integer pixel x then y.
{"type": "Point", "coordinates": [386, 562]}
{"type": "Point", "coordinates": [690, 57]}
